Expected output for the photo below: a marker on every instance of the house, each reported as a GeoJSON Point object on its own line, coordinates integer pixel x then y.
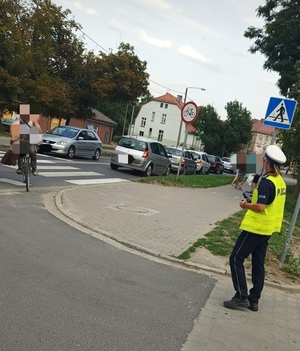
{"type": "Point", "coordinates": [160, 119]}
{"type": "Point", "coordinates": [101, 124]}
{"type": "Point", "coordinates": [261, 137]}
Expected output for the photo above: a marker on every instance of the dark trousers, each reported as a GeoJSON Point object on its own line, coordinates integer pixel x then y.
{"type": "Point", "coordinates": [32, 153]}
{"type": "Point", "coordinates": [256, 245]}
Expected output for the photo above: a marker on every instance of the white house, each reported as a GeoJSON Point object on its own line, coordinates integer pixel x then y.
{"type": "Point", "coordinates": [160, 119]}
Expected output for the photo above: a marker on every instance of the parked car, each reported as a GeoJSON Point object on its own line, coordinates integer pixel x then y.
{"type": "Point", "coordinates": [216, 164]}
{"type": "Point", "coordinates": [187, 162]}
{"type": "Point", "coordinates": [228, 166]}
{"type": "Point", "coordinates": [201, 158]}
{"type": "Point", "coordinates": [7, 122]}
{"type": "Point", "coordinates": [142, 154]}
{"type": "Point", "coordinates": [72, 141]}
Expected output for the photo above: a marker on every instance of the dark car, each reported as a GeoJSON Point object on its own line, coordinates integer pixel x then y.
{"type": "Point", "coordinates": [216, 164]}
{"type": "Point", "coordinates": [187, 162]}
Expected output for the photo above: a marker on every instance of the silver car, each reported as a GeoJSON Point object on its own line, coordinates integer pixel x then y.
{"type": "Point", "coordinates": [142, 154]}
{"type": "Point", "coordinates": [203, 164]}
{"type": "Point", "coordinates": [72, 141]}
{"type": "Point", "coordinates": [187, 162]}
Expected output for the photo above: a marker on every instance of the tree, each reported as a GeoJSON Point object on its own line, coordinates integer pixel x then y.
{"type": "Point", "coordinates": [278, 40]}
{"type": "Point", "coordinates": [43, 61]}
{"type": "Point", "coordinates": [209, 128]}
{"type": "Point", "coordinates": [237, 128]}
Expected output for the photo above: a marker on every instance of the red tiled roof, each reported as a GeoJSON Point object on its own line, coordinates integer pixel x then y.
{"type": "Point", "coordinates": [259, 127]}
{"type": "Point", "coordinates": [170, 99]}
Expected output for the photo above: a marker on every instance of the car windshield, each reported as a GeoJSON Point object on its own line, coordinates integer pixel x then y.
{"type": "Point", "coordinates": [134, 144]}
{"type": "Point", "coordinates": [64, 132]}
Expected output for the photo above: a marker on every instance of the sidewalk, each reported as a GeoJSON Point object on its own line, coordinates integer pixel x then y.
{"type": "Point", "coordinates": [165, 221]}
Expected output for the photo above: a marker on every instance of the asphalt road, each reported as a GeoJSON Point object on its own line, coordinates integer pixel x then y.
{"type": "Point", "coordinates": [65, 290]}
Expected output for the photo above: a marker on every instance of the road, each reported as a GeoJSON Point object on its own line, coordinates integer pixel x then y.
{"type": "Point", "coordinates": [62, 289]}
{"type": "Point", "coordinates": [58, 171]}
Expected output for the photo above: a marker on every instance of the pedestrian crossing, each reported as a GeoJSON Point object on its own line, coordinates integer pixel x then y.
{"type": "Point", "coordinates": [49, 167]}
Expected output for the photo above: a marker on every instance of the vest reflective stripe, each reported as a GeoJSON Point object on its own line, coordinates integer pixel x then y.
{"type": "Point", "coordinates": [270, 220]}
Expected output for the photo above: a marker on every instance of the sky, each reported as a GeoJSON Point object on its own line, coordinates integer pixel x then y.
{"type": "Point", "coordinates": [187, 44]}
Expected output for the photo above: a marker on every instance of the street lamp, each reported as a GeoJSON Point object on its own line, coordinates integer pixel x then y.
{"type": "Point", "coordinates": [185, 97]}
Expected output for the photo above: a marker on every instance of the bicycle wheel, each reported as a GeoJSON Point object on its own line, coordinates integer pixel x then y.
{"type": "Point", "coordinates": [27, 173]}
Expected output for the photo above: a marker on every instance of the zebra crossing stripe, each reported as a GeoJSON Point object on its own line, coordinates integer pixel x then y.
{"type": "Point", "coordinates": [96, 181]}
{"type": "Point", "coordinates": [68, 174]}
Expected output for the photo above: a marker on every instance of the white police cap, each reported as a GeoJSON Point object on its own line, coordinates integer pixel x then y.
{"type": "Point", "coordinates": [275, 155]}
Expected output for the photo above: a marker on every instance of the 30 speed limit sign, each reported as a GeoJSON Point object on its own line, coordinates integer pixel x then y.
{"type": "Point", "coordinates": [189, 112]}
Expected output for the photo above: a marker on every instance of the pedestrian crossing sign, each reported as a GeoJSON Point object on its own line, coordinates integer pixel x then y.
{"type": "Point", "coordinates": [280, 113]}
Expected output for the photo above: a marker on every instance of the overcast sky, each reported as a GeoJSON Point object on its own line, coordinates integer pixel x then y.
{"type": "Point", "coordinates": [191, 43]}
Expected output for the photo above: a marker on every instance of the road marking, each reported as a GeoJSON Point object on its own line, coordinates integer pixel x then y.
{"type": "Point", "coordinates": [96, 181]}
{"type": "Point", "coordinates": [14, 182]}
{"type": "Point", "coordinates": [69, 174]}
{"type": "Point", "coordinates": [50, 167]}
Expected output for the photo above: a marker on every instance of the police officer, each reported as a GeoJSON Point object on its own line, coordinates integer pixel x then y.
{"type": "Point", "coordinates": [264, 215]}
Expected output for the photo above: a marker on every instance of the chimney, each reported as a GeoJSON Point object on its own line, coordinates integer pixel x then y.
{"type": "Point", "coordinates": [179, 98]}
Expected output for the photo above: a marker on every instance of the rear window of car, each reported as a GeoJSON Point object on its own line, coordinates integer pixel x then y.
{"type": "Point", "coordinates": [134, 144]}
{"type": "Point", "coordinates": [226, 159]}
{"type": "Point", "coordinates": [196, 156]}
{"type": "Point", "coordinates": [173, 151]}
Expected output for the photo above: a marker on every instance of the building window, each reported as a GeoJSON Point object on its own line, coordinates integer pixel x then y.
{"type": "Point", "coordinates": [161, 104]}
{"type": "Point", "coordinates": [153, 117]}
{"type": "Point", "coordinates": [163, 118]}
{"type": "Point", "coordinates": [160, 135]}
{"type": "Point", "coordinates": [166, 105]}
{"type": "Point", "coordinates": [143, 122]}
{"type": "Point", "coordinates": [141, 133]}
{"type": "Point", "coordinates": [150, 133]}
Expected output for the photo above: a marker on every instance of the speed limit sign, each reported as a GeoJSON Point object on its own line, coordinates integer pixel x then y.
{"type": "Point", "coordinates": [189, 112]}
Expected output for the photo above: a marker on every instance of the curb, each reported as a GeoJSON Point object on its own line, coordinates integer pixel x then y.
{"type": "Point", "coordinates": [58, 199]}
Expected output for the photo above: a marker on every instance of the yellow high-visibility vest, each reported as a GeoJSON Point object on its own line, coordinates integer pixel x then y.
{"type": "Point", "coordinates": [270, 220]}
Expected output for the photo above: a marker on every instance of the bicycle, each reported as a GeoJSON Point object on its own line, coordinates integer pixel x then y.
{"type": "Point", "coordinates": [26, 169]}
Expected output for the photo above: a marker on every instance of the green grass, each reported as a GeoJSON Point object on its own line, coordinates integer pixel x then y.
{"type": "Point", "coordinates": [191, 181]}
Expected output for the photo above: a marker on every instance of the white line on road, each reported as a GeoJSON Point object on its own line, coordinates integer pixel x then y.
{"type": "Point", "coordinates": [68, 174]}
{"type": "Point", "coordinates": [96, 181]}
{"type": "Point", "coordinates": [50, 167]}
{"type": "Point", "coordinates": [14, 182]}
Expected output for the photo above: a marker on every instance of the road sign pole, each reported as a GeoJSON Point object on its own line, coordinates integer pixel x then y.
{"type": "Point", "coordinates": [290, 232]}
{"type": "Point", "coordinates": [274, 136]}
{"type": "Point", "coordinates": [182, 151]}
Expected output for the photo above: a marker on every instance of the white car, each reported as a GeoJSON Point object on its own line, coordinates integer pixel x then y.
{"type": "Point", "coordinates": [228, 166]}
{"type": "Point", "coordinates": [201, 158]}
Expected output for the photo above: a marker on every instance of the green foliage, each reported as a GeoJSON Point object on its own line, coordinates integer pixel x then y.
{"type": "Point", "coordinates": [209, 128]}
{"type": "Point", "coordinates": [42, 60]}
{"type": "Point", "coordinates": [278, 40]}
{"type": "Point", "coordinates": [223, 137]}
{"type": "Point", "coordinates": [237, 128]}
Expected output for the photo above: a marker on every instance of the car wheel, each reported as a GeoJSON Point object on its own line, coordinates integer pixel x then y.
{"type": "Point", "coordinates": [97, 154]}
{"type": "Point", "coordinates": [71, 152]}
{"type": "Point", "coordinates": [114, 167]}
{"type": "Point", "coordinates": [168, 171]}
{"type": "Point", "coordinates": [221, 171]}
{"type": "Point", "coordinates": [148, 171]}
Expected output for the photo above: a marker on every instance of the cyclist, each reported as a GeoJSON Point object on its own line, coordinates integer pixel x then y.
{"type": "Point", "coordinates": [20, 134]}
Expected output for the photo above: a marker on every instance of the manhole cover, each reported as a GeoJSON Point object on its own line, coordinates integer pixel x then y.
{"type": "Point", "coordinates": [134, 209]}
